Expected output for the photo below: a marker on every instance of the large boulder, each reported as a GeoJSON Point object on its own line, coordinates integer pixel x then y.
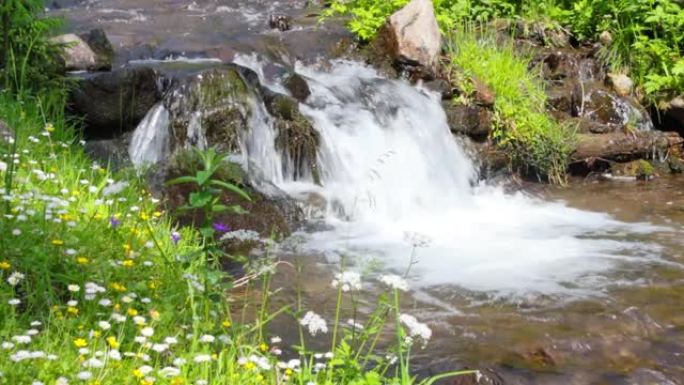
{"type": "Point", "coordinates": [115, 102]}
{"type": "Point", "coordinates": [411, 36]}
{"type": "Point", "coordinates": [600, 105]}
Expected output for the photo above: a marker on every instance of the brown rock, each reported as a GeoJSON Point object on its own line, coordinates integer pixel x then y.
{"type": "Point", "coordinates": [77, 55]}
{"type": "Point", "coordinates": [412, 35]}
{"type": "Point", "coordinates": [620, 83]}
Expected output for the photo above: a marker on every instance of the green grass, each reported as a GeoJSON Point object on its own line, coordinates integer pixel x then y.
{"type": "Point", "coordinates": [100, 287]}
{"type": "Point", "coordinates": [534, 141]}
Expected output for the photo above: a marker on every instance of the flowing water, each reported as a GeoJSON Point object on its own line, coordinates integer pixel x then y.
{"type": "Point", "coordinates": [581, 285]}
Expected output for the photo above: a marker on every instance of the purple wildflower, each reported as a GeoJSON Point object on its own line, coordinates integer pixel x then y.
{"type": "Point", "coordinates": [175, 237]}
{"type": "Point", "coordinates": [220, 227]}
{"type": "Point", "coordinates": [114, 222]}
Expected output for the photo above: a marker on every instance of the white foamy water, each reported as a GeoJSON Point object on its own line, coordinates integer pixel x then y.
{"type": "Point", "coordinates": [150, 141]}
{"type": "Point", "coordinates": [391, 169]}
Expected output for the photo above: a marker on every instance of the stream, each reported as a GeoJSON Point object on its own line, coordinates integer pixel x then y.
{"type": "Point", "coordinates": [543, 285]}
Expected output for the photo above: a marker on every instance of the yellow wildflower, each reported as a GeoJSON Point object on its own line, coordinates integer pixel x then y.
{"type": "Point", "coordinates": [118, 287]}
{"type": "Point", "coordinates": [112, 342]}
{"type": "Point", "coordinates": [72, 310]}
{"type": "Point", "coordinates": [249, 365]}
{"type": "Point", "coordinates": [144, 216]}
{"type": "Point", "coordinates": [4, 265]}
{"type": "Point", "coordinates": [138, 373]}
{"type": "Point", "coordinates": [128, 263]}
{"type": "Point", "coordinates": [96, 333]}
{"type": "Point", "coordinates": [146, 382]}
{"type": "Point", "coordinates": [288, 371]}
{"type": "Point", "coordinates": [49, 127]}
{"type": "Point", "coordinates": [177, 381]}
{"type": "Point", "coordinates": [75, 193]}
{"type": "Point", "coordinates": [132, 312]}
{"type": "Point", "coordinates": [82, 260]}
{"type": "Point", "coordinates": [226, 323]}
{"type": "Point", "coordinates": [157, 214]}
{"type": "Point", "coordinates": [80, 343]}
{"type": "Point", "coordinates": [57, 242]}
{"type": "Point", "coordinates": [263, 347]}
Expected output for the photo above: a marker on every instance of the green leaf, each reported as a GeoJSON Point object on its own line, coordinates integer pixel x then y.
{"type": "Point", "coordinates": [202, 177]}
{"type": "Point", "coordinates": [231, 187]}
{"type": "Point", "coordinates": [181, 180]}
{"type": "Point", "coordinates": [200, 199]}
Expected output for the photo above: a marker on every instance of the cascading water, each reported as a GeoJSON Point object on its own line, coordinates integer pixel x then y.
{"type": "Point", "coordinates": [150, 141]}
{"type": "Point", "coordinates": [393, 175]}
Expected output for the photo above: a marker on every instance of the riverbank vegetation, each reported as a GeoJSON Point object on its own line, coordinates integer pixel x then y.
{"type": "Point", "coordinates": [98, 285]}
{"type": "Point", "coordinates": [522, 128]}
{"type": "Point", "coordinates": [639, 38]}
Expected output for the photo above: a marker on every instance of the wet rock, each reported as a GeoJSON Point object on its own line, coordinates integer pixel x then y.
{"type": "Point", "coordinates": [639, 169]}
{"type": "Point", "coordinates": [441, 86]}
{"type": "Point", "coordinates": [279, 22]}
{"type": "Point", "coordinates": [586, 126]}
{"type": "Point", "coordinates": [296, 136]}
{"type": "Point", "coordinates": [112, 103]}
{"type": "Point", "coordinates": [212, 108]}
{"type": "Point", "coordinates": [540, 33]}
{"type": "Point", "coordinates": [624, 146]}
{"type": "Point", "coordinates": [297, 86]}
{"type": "Point", "coordinates": [620, 83]}
{"type": "Point", "coordinates": [536, 359]}
{"type": "Point", "coordinates": [569, 66]}
{"type": "Point", "coordinates": [600, 105]}
{"type": "Point", "coordinates": [484, 377]}
{"type": "Point", "coordinates": [560, 99]}
{"type": "Point", "coordinates": [411, 35]}
{"type": "Point", "coordinates": [6, 132]}
{"type": "Point", "coordinates": [474, 121]}
{"type": "Point", "coordinates": [648, 376]}
{"type": "Point", "coordinates": [99, 43]}
{"type": "Point", "coordinates": [676, 165]}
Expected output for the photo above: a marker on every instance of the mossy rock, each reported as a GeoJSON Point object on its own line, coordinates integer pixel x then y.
{"type": "Point", "coordinates": [640, 169]}
{"type": "Point", "coordinates": [297, 138]}
{"type": "Point", "coordinates": [215, 101]}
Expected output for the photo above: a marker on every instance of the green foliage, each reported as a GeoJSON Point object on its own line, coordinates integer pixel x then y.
{"type": "Point", "coordinates": [206, 198]}
{"type": "Point", "coordinates": [647, 34]}
{"type": "Point", "coordinates": [28, 60]}
{"type": "Point", "coordinates": [522, 127]}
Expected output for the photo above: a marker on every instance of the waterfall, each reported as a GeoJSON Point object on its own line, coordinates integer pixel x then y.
{"type": "Point", "coordinates": [393, 177]}
{"type": "Point", "coordinates": [150, 141]}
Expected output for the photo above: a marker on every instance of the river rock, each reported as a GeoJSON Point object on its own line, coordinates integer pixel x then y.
{"type": "Point", "coordinates": [598, 104]}
{"type": "Point", "coordinates": [297, 138]}
{"type": "Point", "coordinates": [620, 83]}
{"type": "Point", "coordinates": [212, 108]}
{"type": "Point", "coordinates": [411, 35]}
{"type": "Point", "coordinates": [99, 43]}
{"type": "Point", "coordinates": [297, 86]}
{"type": "Point", "coordinates": [474, 121]}
{"type": "Point", "coordinates": [115, 102]}
{"type": "Point", "coordinates": [76, 54]}
{"type": "Point", "coordinates": [279, 22]}
{"type": "Point", "coordinates": [88, 52]}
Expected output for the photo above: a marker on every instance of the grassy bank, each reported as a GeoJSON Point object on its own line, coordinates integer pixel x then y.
{"type": "Point", "coordinates": [522, 128]}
